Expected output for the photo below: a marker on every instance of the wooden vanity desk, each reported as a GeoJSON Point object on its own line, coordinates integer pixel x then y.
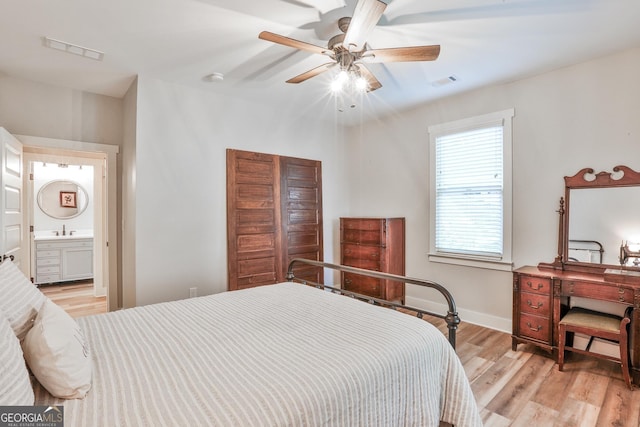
{"type": "Point", "coordinates": [542, 294]}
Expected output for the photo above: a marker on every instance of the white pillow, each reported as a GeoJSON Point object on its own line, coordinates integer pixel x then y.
{"type": "Point", "coordinates": [15, 386]}
{"type": "Point", "coordinates": [20, 299]}
{"type": "Point", "coordinates": [57, 353]}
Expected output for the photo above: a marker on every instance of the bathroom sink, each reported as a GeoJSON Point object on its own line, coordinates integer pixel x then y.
{"type": "Point", "coordinates": [65, 237]}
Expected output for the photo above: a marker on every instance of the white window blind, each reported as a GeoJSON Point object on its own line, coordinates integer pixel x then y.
{"type": "Point", "coordinates": [469, 192]}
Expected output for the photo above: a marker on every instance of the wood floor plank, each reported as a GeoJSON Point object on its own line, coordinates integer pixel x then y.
{"type": "Point", "coordinates": [467, 351]}
{"type": "Point", "coordinates": [620, 407]}
{"type": "Point", "coordinates": [476, 367]}
{"type": "Point", "coordinates": [489, 384]}
{"type": "Point", "coordinates": [555, 384]}
{"type": "Point", "coordinates": [534, 414]}
{"type": "Point", "coordinates": [490, 419]}
{"type": "Point", "coordinates": [76, 298]}
{"type": "Point", "coordinates": [589, 387]}
{"type": "Point", "coordinates": [576, 413]}
{"type": "Point", "coordinates": [494, 346]}
{"type": "Point", "coordinates": [517, 393]}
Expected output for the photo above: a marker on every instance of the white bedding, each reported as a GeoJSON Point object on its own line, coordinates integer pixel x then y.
{"type": "Point", "coordinates": [285, 355]}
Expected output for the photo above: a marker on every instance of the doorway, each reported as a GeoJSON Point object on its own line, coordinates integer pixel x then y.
{"type": "Point", "coordinates": [102, 158]}
{"type": "Point", "coordinates": [65, 216]}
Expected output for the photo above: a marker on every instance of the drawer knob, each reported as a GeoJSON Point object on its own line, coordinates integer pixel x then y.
{"type": "Point", "coordinates": [536, 329]}
{"type": "Point", "coordinates": [535, 307]}
{"type": "Point", "coordinates": [537, 288]}
{"type": "Point", "coordinates": [621, 297]}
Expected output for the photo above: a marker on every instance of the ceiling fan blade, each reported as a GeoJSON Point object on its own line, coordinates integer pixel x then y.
{"type": "Point", "coordinates": [365, 17]}
{"type": "Point", "coordinates": [297, 44]}
{"type": "Point", "coordinates": [372, 81]}
{"type": "Point", "coordinates": [311, 73]}
{"type": "Point", "coordinates": [403, 54]}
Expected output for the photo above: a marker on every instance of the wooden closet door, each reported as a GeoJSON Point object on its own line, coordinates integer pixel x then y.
{"type": "Point", "coordinates": [274, 214]}
{"type": "Point", "coordinates": [301, 197]}
{"type": "Point", "coordinates": [253, 220]}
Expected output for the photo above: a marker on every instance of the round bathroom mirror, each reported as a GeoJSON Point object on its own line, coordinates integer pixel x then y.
{"type": "Point", "coordinates": [62, 199]}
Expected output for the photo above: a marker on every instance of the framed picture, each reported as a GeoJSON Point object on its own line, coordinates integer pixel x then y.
{"type": "Point", "coordinates": [68, 199]}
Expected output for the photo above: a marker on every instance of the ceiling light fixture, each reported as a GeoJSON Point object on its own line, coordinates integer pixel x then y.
{"type": "Point", "coordinates": [349, 81]}
{"type": "Point", "coordinates": [214, 77]}
{"type": "Point", "coordinates": [72, 48]}
{"type": "Point", "coordinates": [348, 87]}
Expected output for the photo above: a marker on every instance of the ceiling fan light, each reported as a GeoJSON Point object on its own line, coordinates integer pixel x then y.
{"type": "Point", "coordinates": [340, 81]}
{"type": "Point", "coordinates": [361, 84]}
{"type": "Point", "coordinates": [336, 86]}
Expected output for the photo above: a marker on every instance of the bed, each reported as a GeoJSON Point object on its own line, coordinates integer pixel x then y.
{"type": "Point", "coordinates": [278, 355]}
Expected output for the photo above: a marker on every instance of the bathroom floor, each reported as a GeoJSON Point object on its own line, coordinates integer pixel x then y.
{"type": "Point", "coordinates": [76, 298]}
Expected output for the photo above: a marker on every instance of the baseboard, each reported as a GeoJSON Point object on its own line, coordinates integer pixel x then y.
{"type": "Point", "coordinates": [469, 316]}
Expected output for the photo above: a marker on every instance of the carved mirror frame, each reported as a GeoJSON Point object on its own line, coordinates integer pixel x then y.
{"type": "Point", "coordinates": [586, 178]}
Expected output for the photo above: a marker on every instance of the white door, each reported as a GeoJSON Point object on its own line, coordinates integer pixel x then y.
{"type": "Point", "coordinates": [11, 221]}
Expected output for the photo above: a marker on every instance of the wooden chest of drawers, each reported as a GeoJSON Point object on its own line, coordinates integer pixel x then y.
{"type": "Point", "coordinates": [374, 244]}
{"type": "Point", "coordinates": [532, 310]}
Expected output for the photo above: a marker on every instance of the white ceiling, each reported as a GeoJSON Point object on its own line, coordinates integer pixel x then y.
{"type": "Point", "coordinates": [181, 41]}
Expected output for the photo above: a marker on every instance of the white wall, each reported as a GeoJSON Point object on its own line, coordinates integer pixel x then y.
{"type": "Point", "coordinates": [127, 256]}
{"type": "Point", "coordinates": [180, 180]}
{"type": "Point", "coordinates": [38, 109]}
{"type": "Point", "coordinates": [576, 117]}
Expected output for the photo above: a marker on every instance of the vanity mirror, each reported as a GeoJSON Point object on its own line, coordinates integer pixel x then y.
{"type": "Point", "coordinates": [599, 214]}
{"type": "Point", "coordinates": [62, 199]}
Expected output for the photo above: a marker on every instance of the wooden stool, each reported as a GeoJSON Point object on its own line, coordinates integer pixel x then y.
{"type": "Point", "coordinates": [597, 325]}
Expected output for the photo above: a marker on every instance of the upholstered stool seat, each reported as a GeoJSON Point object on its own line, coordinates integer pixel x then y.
{"type": "Point", "coordinates": [597, 325]}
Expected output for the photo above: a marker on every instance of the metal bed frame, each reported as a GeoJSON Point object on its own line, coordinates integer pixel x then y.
{"type": "Point", "coordinates": [451, 317]}
{"type": "Point", "coordinates": [596, 248]}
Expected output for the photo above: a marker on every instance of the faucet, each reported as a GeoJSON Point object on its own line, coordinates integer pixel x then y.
{"type": "Point", "coordinates": [64, 232]}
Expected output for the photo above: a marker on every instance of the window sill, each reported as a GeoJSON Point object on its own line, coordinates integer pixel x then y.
{"type": "Point", "coordinates": [489, 264]}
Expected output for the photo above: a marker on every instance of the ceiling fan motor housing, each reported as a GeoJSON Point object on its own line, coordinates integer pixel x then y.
{"type": "Point", "coordinates": [343, 23]}
{"type": "Point", "coordinates": [343, 57]}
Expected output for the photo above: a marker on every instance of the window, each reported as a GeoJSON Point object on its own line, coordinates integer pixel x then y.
{"type": "Point", "coordinates": [471, 191]}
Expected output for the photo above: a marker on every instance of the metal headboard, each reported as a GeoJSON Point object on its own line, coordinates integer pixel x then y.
{"type": "Point", "coordinates": [451, 317]}
{"type": "Point", "coordinates": [596, 247]}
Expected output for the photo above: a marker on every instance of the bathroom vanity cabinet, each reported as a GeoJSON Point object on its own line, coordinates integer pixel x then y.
{"type": "Point", "coordinates": [61, 259]}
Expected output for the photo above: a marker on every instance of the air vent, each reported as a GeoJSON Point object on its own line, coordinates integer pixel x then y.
{"type": "Point", "coordinates": [72, 48]}
{"type": "Point", "coordinates": [445, 81]}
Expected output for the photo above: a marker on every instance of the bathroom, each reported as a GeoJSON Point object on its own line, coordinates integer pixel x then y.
{"type": "Point", "coordinates": [62, 212]}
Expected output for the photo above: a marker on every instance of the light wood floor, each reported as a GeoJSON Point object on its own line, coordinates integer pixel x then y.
{"type": "Point", "coordinates": [525, 388]}
{"type": "Point", "coordinates": [521, 388]}
{"type": "Point", "coordinates": [76, 298]}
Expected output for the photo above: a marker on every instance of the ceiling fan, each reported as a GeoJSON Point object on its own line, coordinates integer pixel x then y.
{"type": "Point", "coordinates": [350, 51]}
